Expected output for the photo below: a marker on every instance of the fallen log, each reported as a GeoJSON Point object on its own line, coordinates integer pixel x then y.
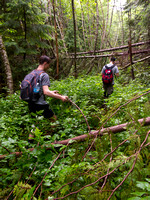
{"type": "Point", "coordinates": [113, 129]}
{"type": "Point", "coordinates": [111, 49]}
{"type": "Point", "coordinates": [134, 62]}
{"type": "Point", "coordinates": [110, 55]}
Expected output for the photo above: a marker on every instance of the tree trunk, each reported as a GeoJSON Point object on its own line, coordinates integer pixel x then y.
{"type": "Point", "coordinates": [112, 13]}
{"type": "Point", "coordinates": [130, 47]}
{"type": "Point", "coordinates": [83, 25]}
{"type": "Point", "coordinates": [61, 33]}
{"type": "Point", "coordinates": [7, 66]}
{"type": "Point", "coordinates": [122, 26]}
{"type": "Point", "coordinates": [106, 24]}
{"type": "Point", "coordinates": [57, 56]}
{"type": "Point", "coordinates": [114, 48]}
{"type": "Point", "coordinates": [89, 25]}
{"type": "Point", "coordinates": [97, 25]}
{"type": "Point", "coordinates": [74, 23]}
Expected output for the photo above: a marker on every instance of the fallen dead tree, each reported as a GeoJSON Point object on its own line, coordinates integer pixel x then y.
{"type": "Point", "coordinates": [103, 131]}
{"type": "Point", "coordinates": [113, 129]}
{"type": "Point", "coordinates": [114, 54]}
{"type": "Point", "coordinates": [134, 62]}
{"type": "Point", "coordinates": [111, 49]}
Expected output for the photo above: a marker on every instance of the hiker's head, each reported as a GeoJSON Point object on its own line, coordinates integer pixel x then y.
{"type": "Point", "coordinates": [45, 61]}
{"type": "Point", "coordinates": [112, 59]}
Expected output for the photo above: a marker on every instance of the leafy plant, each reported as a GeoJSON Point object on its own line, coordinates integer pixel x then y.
{"type": "Point", "coordinates": [144, 186]}
{"type": "Point", "coordinates": [66, 169]}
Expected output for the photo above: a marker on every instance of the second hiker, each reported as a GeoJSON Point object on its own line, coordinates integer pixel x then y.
{"type": "Point", "coordinates": [108, 72]}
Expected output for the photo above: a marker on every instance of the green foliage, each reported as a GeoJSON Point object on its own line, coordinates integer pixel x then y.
{"type": "Point", "coordinates": [75, 164]}
{"type": "Point", "coordinates": [23, 191]}
{"type": "Point", "coordinates": [24, 27]}
{"type": "Point", "coordinates": [144, 186]}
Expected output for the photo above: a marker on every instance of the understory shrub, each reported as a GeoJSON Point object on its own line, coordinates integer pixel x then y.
{"type": "Point", "coordinates": [92, 168]}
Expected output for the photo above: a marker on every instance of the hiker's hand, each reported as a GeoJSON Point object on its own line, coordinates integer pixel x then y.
{"type": "Point", "coordinates": [64, 98]}
{"type": "Point", "coordinates": [56, 92]}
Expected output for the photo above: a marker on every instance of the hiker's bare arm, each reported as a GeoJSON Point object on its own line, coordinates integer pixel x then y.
{"type": "Point", "coordinates": [117, 74]}
{"type": "Point", "coordinates": [53, 94]}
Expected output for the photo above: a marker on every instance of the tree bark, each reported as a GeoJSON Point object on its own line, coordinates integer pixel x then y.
{"type": "Point", "coordinates": [129, 43]}
{"type": "Point", "coordinates": [89, 25]}
{"type": "Point", "coordinates": [97, 25]}
{"type": "Point", "coordinates": [122, 27]}
{"type": "Point", "coordinates": [61, 33]}
{"type": "Point", "coordinates": [57, 55]}
{"type": "Point", "coordinates": [111, 20]}
{"type": "Point", "coordinates": [74, 24]}
{"type": "Point", "coordinates": [131, 62]}
{"type": "Point", "coordinates": [7, 66]}
{"type": "Point", "coordinates": [83, 25]}
{"type": "Point", "coordinates": [106, 24]}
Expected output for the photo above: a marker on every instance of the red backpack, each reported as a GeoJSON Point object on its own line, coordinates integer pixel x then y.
{"type": "Point", "coordinates": [107, 77]}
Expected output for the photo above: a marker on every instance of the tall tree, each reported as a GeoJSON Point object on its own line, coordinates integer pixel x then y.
{"type": "Point", "coordinates": [75, 42]}
{"type": "Point", "coordinates": [7, 66]}
{"type": "Point", "coordinates": [57, 56]}
{"type": "Point", "coordinates": [130, 41]}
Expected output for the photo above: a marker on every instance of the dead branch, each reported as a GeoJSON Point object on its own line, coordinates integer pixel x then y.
{"type": "Point", "coordinates": [81, 113]}
{"type": "Point", "coordinates": [107, 174]}
{"type": "Point", "coordinates": [97, 164]}
{"type": "Point", "coordinates": [137, 153]}
{"type": "Point", "coordinates": [46, 174]}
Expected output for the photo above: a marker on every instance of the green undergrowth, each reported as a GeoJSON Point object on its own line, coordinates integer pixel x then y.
{"type": "Point", "coordinates": [81, 163]}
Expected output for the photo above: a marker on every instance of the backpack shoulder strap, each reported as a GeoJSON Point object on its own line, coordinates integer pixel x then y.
{"type": "Point", "coordinates": [113, 66]}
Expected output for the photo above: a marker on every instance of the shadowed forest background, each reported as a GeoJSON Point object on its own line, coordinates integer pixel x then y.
{"type": "Point", "coordinates": [98, 149]}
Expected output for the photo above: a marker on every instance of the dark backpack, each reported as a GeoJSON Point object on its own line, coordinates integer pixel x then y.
{"type": "Point", "coordinates": [31, 86]}
{"type": "Point", "coordinates": [107, 77]}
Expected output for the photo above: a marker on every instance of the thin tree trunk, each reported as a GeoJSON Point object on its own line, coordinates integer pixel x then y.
{"type": "Point", "coordinates": [83, 25]}
{"type": "Point", "coordinates": [89, 26]}
{"type": "Point", "coordinates": [7, 66]}
{"type": "Point", "coordinates": [118, 28]}
{"type": "Point", "coordinates": [103, 19]}
{"type": "Point", "coordinates": [25, 31]}
{"type": "Point", "coordinates": [122, 21]}
{"type": "Point", "coordinates": [111, 20]}
{"type": "Point", "coordinates": [130, 47]}
{"type": "Point", "coordinates": [105, 30]}
{"type": "Point", "coordinates": [74, 24]}
{"type": "Point", "coordinates": [97, 25]}
{"type": "Point", "coordinates": [49, 12]}
{"type": "Point", "coordinates": [60, 26]}
{"type": "Point", "coordinates": [57, 56]}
